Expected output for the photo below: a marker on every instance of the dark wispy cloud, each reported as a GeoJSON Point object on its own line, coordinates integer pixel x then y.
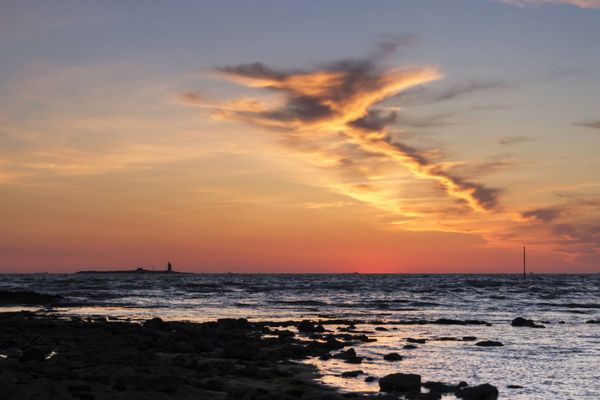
{"type": "Point", "coordinates": [422, 95]}
{"type": "Point", "coordinates": [512, 140]}
{"type": "Point", "coordinates": [547, 214]}
{"type": "Point", "coordinates": [589, 124]}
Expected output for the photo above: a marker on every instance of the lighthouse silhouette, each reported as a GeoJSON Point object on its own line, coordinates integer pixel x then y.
{"type": "Point", "coordinates": [169, 267]}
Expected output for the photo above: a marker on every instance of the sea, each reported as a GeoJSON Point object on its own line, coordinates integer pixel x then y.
{"type": "Point", "coordinates": [560, 361]}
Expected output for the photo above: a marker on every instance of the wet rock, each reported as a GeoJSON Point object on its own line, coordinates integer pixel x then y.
{"type": "Point", "coordinates": [28, 298]}
{"type": "Point", "coordinates": [381, 328]}
{"type": "Point", "coordinates": [352, 374]}
{"type": "Point", "coordinates": [400, 383]}
{"type": "Point", "coordinates": [184, 347]}
{"type": "Point", "coordinates": [240, 350]}
{"type": "Point", "coordinates": [479, 392]}
{"type": "Point", "coordinates": [514, 387]}
{"type": "Point", "coordinates": [42, 389]}
{"type": "Point", "coordinates": [413, 340]}
{"type": "Point", "coordinates": [469, 338]}
{"type": "Point", "coordinates": [7, 378]}
{"type": "Point", "coordinates": [78, 386]}
{"type": "Point", "coordinates": [33, 354]}
{"type": "Point", "coordinates": [410, 346]}
{"type": "Point", "coordinates": [155, 323]}
{"type": "Point", "coordinates": [591, 321]}
{"type": "Point", "coordinates": [422, 396]}
{"type": "Point", "coordinates": [448, 321]}
{"type": "Point", "coordinates": [489, 343]}
{"type": "Point", "coordinates": [354, 360]}
{"type": "Point", "coordinates": [441, 387]}
{"type": "Point", "coordinates": [150, 383]}
{"type": "Point", "coordinates": [346, 354]}
{"type": "Point", "coordinates": [522, 322]}
{"type": "Point", "coordinates": [308, 327]}
{"type": "Point", "coordinates": [370, 379]}
{"type": "Point", "coordinates": [392, 357]}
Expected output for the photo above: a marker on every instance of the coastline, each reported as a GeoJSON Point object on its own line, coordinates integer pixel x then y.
{"type": "Point", "coordinates": [50, 357]}
{"type": "Point", "coordinates": [101, 358]}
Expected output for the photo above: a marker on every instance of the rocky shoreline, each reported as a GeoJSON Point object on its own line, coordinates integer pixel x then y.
{"type": "Point", "coordinates": [48, 357]}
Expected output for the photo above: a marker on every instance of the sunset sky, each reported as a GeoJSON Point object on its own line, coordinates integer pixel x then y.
{"type": "Point", "coordinates": [300, 136]}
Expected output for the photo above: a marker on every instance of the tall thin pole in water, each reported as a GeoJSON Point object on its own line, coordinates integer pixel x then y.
{"type": "Point", "coordinates": [524, 262]}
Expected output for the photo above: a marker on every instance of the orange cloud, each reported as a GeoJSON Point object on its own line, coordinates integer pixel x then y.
{"type": "Point", "coordinates": [331, 113]}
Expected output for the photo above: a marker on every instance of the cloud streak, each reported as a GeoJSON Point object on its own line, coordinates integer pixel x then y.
{"type": "Point", "coordinates": [578, 3]}
{"type": "Point", "coordinates": [333, 113]}
{"type": "Point", "coordinates": [589, 124]}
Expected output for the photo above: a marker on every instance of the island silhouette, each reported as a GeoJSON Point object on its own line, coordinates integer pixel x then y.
{"type": "Point", "coordinates": [139, 270]}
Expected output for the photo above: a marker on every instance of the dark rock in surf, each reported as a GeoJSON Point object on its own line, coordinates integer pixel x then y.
{"type": "Point", "coordinates": [400, 383]}
{"type": "Point", "coordinates": [448, 321]}
{"type": "Point", "coordinates": [522, 322]}
{"type": "Point", "coordinates": [349, 356]}
{"type": "Point", "coordinates": [489, 343]}
{"type": "Point", "coordinates": [28, 298]}
{"type": "Point", "coordinates": [33, 354]}
{"type": "Point", "coordinates": [469, 338]}
{"type": "Point", "coordinates": [441, 387]}
{"type": "Point", "coordinates": [352, 374]}
{"type": "Point", "coordinates": [413, 340]}
{"type": "Point", "coordinates": [410, 346]}
{"type": "Point", "coordinates": [392, 357]}
{"type": "Point", "coordinates": [308, 327]}
{"type": "Point", "coordinates": [422, 396]}
{"type": "Point", "coordinates": [514, 387]}
{"type": "Point", "coordinates": [479, 392]}
{"type": "Point", "coordinates": [370, 379]}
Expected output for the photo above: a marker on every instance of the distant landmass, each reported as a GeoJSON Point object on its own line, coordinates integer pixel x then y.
{"type": "Point", "coordinates": [140, 270]}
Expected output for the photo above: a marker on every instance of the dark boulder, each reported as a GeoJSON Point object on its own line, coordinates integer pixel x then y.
{"type": "Point", "coordinates": [370, 379]}
{"type": "Point", "coordinates": [349, 356]}
{"type": "Point", "coordinates": [33, 354]}
{"type": "Point", "coordinates": [413, 340]}
{"type": "Point", "coordinates": [522, 322]}
{"type": "Point", "coordinates": [479, 392]}
{"type": "Point", "coordinates": [400, 383]}
{"type": "Point", "coordinates": [422, 396]}
{"type": "Point", "coordinates": [346, 354]}
{"type": "Point", "coordinates": [489, 343]}
{"type": "Point", "coordinates": [27, 298]}
{"type": "Point", "coordinates": [155, 323]}
{"type": "Point", "coordinates": [42, 389]}
{"type": "Point", "coordinates": [515, 387]}
{"type": "Point", "coordinates": [308, 327]}
{"type": "Point", "coordinates": [441, 387]}
{"type": "Point", "coordinates": [352, 374]}
{"type": "Point", "coordinates": [392, 357]}
{"type": "Point", "coordinates": [149, 383]}
{"type": "Point", "coordinates": [448, 321]}
{"type": "Point", "coordinates": [410, 346]}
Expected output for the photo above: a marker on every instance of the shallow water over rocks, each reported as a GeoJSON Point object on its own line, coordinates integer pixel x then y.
{"type": "Point", "coordinates": [553, 362]}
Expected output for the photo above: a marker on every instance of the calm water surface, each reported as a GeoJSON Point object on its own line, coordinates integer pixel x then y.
{"type": "Point", "coordinates": [559, 362]}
